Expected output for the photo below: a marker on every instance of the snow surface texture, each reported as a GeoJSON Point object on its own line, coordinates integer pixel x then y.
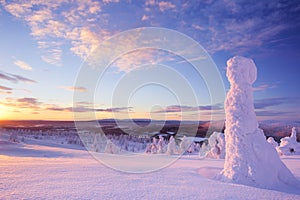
{"type": "Point", "coordinates": [45, 170]}
{"type": "Point", "coordinates": [250, 159]}
{"type": "Point", "coordinates": [216, 143]}
{"type": "Point", "coordinates": [289, 145]}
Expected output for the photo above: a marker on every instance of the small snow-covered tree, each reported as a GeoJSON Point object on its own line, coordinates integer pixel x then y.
{"type": "Point", "coordinates": [289, 145]}
{"type": "Point", "coordinates": [160, 145]}
{"type": "Point", "coordinates": [96, 145]}
{"type": "Point", "coordinates": [271, 141]}
{"type": "Point", "coordinates": [204, 150]}
{"type": "Point", "coordinates": [184, 144]}
{"type": "Point", "coordinates": [191, 148]}
{"type": "Point", "coordinates": [216, 144]}
{"type": "Point", "coordinates": [153, 148]}
{"type": "Point", "coordinates": [197, 147]}
{"type": "Point", "coordinates": [111, 148]}
{"type": "Point", "coordinates": [171, 150]}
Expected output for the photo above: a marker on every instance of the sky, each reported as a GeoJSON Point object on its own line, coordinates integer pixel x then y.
{"type": "Point", "coordinates": [44, 45]}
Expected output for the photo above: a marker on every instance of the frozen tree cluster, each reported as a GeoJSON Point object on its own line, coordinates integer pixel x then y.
{"type": "Point", "coordinates": [95, 141]}
{"type": "Point", "coordinates": [157, 146]}
{"type": "Point", "coordinates": [162, 146]}
{"type": "Point", "coordinates": [113, 144]}
{"type": "Point", "coordinates": [249, 158]}
{"type": "Point", "coordinates": [289, 145]}
{"type": "Point", "coordinates": [61, 136]}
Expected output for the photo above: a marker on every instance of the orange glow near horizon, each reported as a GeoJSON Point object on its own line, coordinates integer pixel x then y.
{"type": "Point", "coordinates": [15, 113]}
{"type": "Point", "coordinates": [4, 114]}
{"type": "Point", "coordinates": [30, 114]}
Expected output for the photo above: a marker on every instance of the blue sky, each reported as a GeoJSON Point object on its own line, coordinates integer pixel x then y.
{"type": "Point", "coordinates": [44, 43]}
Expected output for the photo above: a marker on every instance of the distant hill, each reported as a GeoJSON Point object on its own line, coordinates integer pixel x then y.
{"type": "Point", "coordinates": [274, 128]}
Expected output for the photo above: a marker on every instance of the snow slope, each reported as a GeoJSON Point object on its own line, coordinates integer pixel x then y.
{"type": "Point", "coordinates": [42, 171]}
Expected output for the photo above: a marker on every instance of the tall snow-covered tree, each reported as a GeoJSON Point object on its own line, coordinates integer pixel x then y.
{"type": "Point", "coordinates": [249, 159]}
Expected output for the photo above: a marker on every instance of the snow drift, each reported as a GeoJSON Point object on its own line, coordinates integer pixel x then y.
{"type": "Point", "coordinates": [249, 159]}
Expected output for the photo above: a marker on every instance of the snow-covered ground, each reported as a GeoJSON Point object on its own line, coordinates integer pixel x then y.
{"type": "Point", "coordinates": [42, 169]}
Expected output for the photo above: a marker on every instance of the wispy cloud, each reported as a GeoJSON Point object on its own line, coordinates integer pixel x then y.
{"type": "Point", "coordinates": [165, 5]}
{"type": "Point", "coordinates": [145, 17]}
{"type": "Point", "coordinates": [116, 109]}
{"type": "Point", "coordinates": [183, 108]}
{"type": "Point", "coordinates": [15, 78]}
{"type": "Point", "coordinates": [73, 88]}
{"type": "Point", "coordinates": [84, 40]}
{"type": "Point", "coordinates": [110, 1]}
{"type": "Point", "coordinates": [81, 26]}
{"type": "Point", "coordinates": [38, 106]}
{"type": "Point", "coordinates": [53, 56]}
{"type": "Point", "coordinates": [26, 102]}
{"type": "Point", "coordinates": [88, 109]}
{"type": "Point", "coordinates": [23, 65]}
{"type": "Point", "coordinates": [272, 113]}
{"type": "Point", "coordinates": [161, 5]}
{"type": "Point", "coordinates": [263, 87]}
{"type": "Point", "coordinates": [48, 26]}
{"type": "Point", "coordinates": [138, 59]}
{"type": "Point", "coordinates": [5, 90]}
{"type": "Point", "coordinates": [198, 27]}
{"type": "Point", "coordinates": [234, 26]}
{"type": "Point", "coordinates": [7, 77]}
{"type": "Point", "coordinates": [276, 101]}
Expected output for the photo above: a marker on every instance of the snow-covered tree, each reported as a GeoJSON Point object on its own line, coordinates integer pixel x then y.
{"type": "Point", "coordinates": [216, 144]}
{"type": "Point", "coordinates": [271, 141]}
{"type": "Point", "coordinates": [289, 145]}
{"type": "Point", "coordinates": [153, 148]}
{"type": "Point", "coordinates": [191, 148]}
{"type": "Point", "coordinates": [98, 143]}
{"type": "Point", "coordinates": [171, 149]}
{"type": "Point", "coordinates": [204, 150]}
{"type": "Point", "coordinates": [160, 144]}
{"type": "Point", "coordinates": [249, 159]}
{"type": "Point", "coordinates": [184, 144]}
